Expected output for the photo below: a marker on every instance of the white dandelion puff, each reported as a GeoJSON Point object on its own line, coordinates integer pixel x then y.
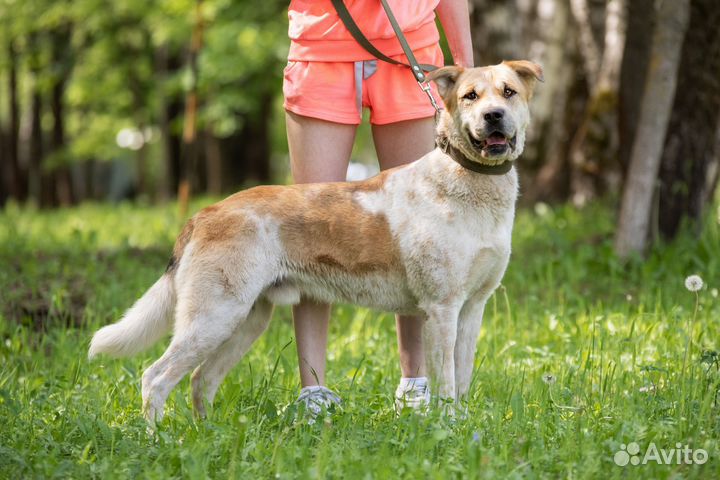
{"type": "Point", "coordinates": [549, 378]}
{"type": "Point", "coordinates": [693, 283]}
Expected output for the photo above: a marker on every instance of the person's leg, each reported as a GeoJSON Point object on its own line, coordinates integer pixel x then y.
{"type": "Point", "coordinates": [397, 144]}
{"type": "Point", "coordinates": [319, 152]}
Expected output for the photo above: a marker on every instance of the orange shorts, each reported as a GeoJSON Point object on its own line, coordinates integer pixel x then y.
{"type": "Point", "coordinates": [337, 91]}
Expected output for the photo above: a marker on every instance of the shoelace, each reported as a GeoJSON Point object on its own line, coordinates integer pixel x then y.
{"type": "Point", "coordinates": [317, 399]}
{"type": "Point", "coordinates": [412, 393]}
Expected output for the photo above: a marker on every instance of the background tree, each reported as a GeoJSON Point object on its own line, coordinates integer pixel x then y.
{"type": "Point", "coordinates": [655, 110]}
{"type": "Point", "coordinates": [689, 166]}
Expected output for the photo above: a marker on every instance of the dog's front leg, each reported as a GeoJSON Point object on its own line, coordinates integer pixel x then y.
{"type": "Point", "coordinates": [468, 330]}
{"type": "Point", "coordinates": [439, 337]}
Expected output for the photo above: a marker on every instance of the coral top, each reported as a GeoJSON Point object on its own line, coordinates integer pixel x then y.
{"type": "Point", "coordinates": [317, 33]}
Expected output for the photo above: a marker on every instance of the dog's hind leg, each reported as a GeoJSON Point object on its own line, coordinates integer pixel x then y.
{"type": "Point", "coordinates": [197, 336]}
{"type": "Point", "coordinates": [209, 375]}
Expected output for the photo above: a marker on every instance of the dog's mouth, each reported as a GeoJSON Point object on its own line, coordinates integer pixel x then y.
{"type": "Point", "coordinates": [496, 143]}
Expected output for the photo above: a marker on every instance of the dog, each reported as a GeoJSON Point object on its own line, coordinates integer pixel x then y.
{"type": "Point", "coordinates": [431, 238]}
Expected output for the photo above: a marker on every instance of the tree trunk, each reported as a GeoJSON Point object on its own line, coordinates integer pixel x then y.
{"type": "Point", "coordinates": [42, 190]}
{"type": "Point", "coordinates": [543, 145]}
{"type": "Point", "coordinates": [636, 206]}
{"type": "Point", "coordinates": [16, 177]}
{"type": "Point", "coordinates": [5, 183]}
{"type": "Point", "coordinates": [139, 93]}
{"type": "Point", "coordinates": [213, 155]}
{"type": "Point", "coordinates": [172, 142]}
{"type": "Point", "coordinates": [636, 55]}
{"type": "Point", "coordinates": [60, 170]}
{"type": "Point", "coordinates": [167, 64]}
{"type": "Point", "coordinates": [589, 49]}
{"type": "Point", "coordinates": [496, 30]}
{"type": "Point", "coordinates": [46, 191]}
{"type": "Point", "coordinates": [689, 168]}
{"type": "Point", "coordinates": [190, 147]}
{"type": "Point", "coordinates": [594, 145]}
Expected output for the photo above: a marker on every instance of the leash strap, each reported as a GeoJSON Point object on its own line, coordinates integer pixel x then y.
{"type": "Point", "coordinates": [418, 70]}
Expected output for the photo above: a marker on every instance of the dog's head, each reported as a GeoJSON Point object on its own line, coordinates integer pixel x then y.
{"type": "Point", "coordinates": [487, 108]}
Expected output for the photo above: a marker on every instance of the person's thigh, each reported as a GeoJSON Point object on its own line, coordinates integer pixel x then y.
{"type": "Point", "coordinates": [403, 142]}
{"type": "Point", "coordinates": [319, 150]}
{"type": "Point", "coordinates": [402, 116]}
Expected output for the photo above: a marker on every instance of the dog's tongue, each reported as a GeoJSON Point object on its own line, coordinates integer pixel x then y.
{"type": "Point", "coordinates": [496, 139]}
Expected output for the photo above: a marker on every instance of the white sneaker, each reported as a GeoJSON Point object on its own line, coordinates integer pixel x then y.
{"type": "Point", "coordinates": [317, 399]}
{"type": "Point", "coordinates": [413, 393]}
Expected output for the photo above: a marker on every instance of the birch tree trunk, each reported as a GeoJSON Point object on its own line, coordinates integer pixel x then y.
{"type": "Point", "coordinates": [593, 149]}
{"type": "Point", "coordinates": [546, 145]}
{"type": "Point", "coordinates": [633, 73]}
{"type": "Point", "coordinates": [586, 41]}
{"type": "Point", "coordinates": [636, 206]}
{"type": "Point", "coordinates": [689, 168]}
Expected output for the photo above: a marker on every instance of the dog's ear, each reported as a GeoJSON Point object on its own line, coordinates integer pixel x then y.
{"type": "Point", "coordinates": [529, 72]}
{"type": "Point", "coordinates": [445, 78]}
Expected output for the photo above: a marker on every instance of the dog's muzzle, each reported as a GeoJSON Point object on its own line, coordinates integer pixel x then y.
{"type": "Point", "coordinates": [494, 144]}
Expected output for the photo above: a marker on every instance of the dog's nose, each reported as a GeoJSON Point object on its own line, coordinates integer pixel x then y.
{"type": "Point", "coordinates": [494, 116]}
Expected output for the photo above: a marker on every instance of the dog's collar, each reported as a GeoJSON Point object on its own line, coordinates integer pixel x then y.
{"type": "Point", "coordinates": [444, 144]}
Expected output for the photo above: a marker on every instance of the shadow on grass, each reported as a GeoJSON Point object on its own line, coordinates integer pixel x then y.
{"type": "Point", "coordinates": [62, 287]}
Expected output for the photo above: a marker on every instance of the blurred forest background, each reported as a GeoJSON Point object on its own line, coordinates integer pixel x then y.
{"type": "Point", "coordinates": [156, 99]}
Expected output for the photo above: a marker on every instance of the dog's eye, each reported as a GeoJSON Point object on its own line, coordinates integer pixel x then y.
{"type": "Point", "coordinates": [471, 95]}
{"type": "Point", "coordinates": [508, 92]}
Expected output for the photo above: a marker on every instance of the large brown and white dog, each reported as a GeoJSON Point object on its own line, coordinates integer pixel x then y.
{"type": "Point", "coordinates": [429, 238]}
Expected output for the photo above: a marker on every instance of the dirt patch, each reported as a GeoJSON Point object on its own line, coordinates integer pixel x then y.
{"type": "Point", "coordinates": [53, 289]}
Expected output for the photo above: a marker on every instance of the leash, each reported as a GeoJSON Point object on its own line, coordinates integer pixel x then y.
{"type": "Point", "coordinates": [418, 70]}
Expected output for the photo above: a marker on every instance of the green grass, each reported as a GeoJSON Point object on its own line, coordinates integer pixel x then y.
{"type": "Point", "coordinates": [613, 336]}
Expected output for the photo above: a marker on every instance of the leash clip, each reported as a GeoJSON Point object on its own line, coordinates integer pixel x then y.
{"type": "Point", "coordinates": [425, 87]}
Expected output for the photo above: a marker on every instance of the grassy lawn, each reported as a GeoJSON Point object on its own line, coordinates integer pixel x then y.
{"type": "Point", "coordinates": [579, 356]}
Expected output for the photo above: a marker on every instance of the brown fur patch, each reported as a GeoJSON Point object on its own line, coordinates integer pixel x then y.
{"type": "Point", "coordinates": [329, 229]}
{"type": "Point", "coordinates": [321, 226]}
{"type": "Point", "coordinates": [219, 224]}
{"type": "Point", "coordinates": [180, 245]}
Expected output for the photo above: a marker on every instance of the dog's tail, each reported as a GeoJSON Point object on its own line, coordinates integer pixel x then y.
{"type": "Point", "coordinates": [152, 315]}
{"type": "Point", "coordinates": [142, 325]}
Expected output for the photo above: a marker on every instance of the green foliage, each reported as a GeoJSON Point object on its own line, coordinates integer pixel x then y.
{"type": "Point", "coordinates": [113, 58]}
{"type": "Point", "coordinates": [578, 355]}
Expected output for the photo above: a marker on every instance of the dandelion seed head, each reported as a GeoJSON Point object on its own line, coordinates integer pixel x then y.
{"type": "Point", "coordinates": [693, 283]}
{"type": "Point", "coordinates": [549, 378]}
